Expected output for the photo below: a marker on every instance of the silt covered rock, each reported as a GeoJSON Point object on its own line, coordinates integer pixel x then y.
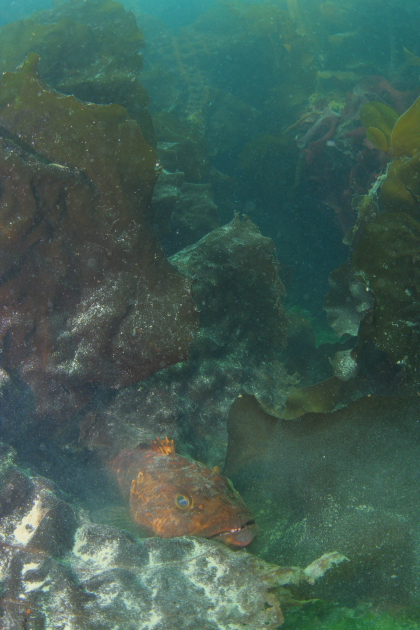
{"type": "Point", "coordinates": [87, 295]}
{"type": "Point", "coordinates": [183, 212]}
{"type": "Point", "coordinates": [58, 569]}
{"type": "Point", "coordinates": [235, 284]}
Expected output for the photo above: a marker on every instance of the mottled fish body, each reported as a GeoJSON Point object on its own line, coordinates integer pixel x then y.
{"type": "Point", "coordinates": [170, 495]}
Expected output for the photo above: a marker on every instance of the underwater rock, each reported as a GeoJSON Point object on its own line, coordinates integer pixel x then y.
{"type": "Point", "coordinates": [235, 284]}
{"type": "Point", "coordinates": [345, 367]}
{"type": "Point", "coordinates": [384, 258]}
{"type": "Point", "coordinates": [346, 480]}
{"type": "Point", "coordinates": [183, 212]}
{"type": "Point", "coordinates": [369, 301]}
{"type": "Point", "coordinates": [195, 214]}
{"type": "Point", "coordinates": [58, 569]}
{"type": "Point", "coordinates": [377, 291]}
{"type": "Point", "coordinates": [347, 302]}
{"type": "Point", "coordinates": [165, 195]}
{"type": "Point", "coordinates": [241, 263]}
{"type": "Point", "coordinates": [181, 147]}
{"type": "Point", "coordinates": [33, 514]}
{"type": "Point", "coordinates": [87, 295]}
{"type": "Point", "coordinates": [136, 415]}
{"type": "Point", "coordinates": [228, 121]}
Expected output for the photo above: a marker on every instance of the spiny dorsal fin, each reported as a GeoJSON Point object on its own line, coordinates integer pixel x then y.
{"type": "Point", "coordinates": [166, 446]}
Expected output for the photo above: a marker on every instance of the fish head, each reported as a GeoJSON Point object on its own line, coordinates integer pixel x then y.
{"type": "Point", "coordinates": [170, 495]}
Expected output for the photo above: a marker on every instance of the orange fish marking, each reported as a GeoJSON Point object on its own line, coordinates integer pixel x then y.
{"type": "Point", "coordinates": [170, 495]}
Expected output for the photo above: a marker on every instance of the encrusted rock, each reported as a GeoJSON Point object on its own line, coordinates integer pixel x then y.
{"type": "Point", "coordinates": [235, 284]}
{"type": "Point", "coordinates": [347, 302]}
{"type": "Point", "coordinates": [184, 212]}
{"type": "Point", "coordinates": [60, 570]}
{"type": "Point", "coordinates": [345, 367]}
{"type": "Point", "coordinates": [87, 295]}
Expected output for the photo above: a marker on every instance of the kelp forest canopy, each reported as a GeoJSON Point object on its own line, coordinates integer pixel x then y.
{"type": "Point", "coordinates": [210, 229]}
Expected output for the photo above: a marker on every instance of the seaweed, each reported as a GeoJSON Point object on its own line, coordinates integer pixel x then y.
{"type": "Point", "coordinates": [379, 120]}
{"type": "Point", "coordinates": [89, 49]}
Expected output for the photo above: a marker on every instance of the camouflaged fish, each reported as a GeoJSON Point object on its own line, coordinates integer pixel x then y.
{"type": "Point", "coordinates": [170, 495]}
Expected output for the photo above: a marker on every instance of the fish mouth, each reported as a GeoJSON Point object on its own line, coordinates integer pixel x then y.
{"type": "Point", "coordinates": [236, 532]}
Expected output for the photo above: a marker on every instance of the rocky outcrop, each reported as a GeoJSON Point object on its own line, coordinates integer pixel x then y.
{"type": "Point", "coordinates": [60, 570]}
{"type": "Point", "coordinates": [87, 296]}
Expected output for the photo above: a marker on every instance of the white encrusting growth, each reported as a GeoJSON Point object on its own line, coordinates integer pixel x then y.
{"type": "Point", "coordinates": [28, 525]}
{"type": "Point", "coordinates": [103, 556]}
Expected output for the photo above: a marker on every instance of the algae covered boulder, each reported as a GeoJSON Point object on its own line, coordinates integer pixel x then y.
{"type": "Point", "coordinates": [386, 260]}
{"type": "Point", "coordinates": [89, 49]}
{"type": "Point", "coordinates": [87, 295]}
{"type": "Point", "coordinates": [235, 284]}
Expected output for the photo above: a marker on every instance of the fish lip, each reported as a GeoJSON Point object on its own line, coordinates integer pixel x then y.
{"type": "Point", "coordinates": [239, 537]}
{"type": "Point", "coordinates": [230, 528]}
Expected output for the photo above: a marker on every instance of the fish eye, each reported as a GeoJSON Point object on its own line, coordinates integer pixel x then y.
{"type": "Point", "coordinates": [182, 501]}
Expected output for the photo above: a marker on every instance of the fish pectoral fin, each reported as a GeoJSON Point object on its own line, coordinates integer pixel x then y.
{"type": "Point", "coordinates": [118, 516]}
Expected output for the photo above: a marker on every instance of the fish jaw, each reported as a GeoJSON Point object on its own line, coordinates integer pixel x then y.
{"type": "Point", "coordinates": [236, 532]}
{"type": "Point", "coordinates": [241, 537]}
